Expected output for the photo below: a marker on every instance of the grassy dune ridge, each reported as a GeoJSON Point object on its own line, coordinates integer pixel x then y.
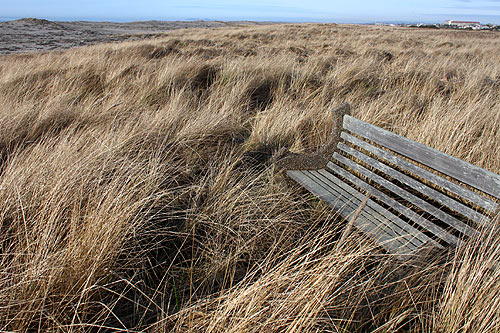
{"type": "Point", "coordinates": [137, 188]}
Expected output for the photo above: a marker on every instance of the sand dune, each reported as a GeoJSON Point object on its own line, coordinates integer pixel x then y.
{"type": "Point", "coordinates": [31, 34]}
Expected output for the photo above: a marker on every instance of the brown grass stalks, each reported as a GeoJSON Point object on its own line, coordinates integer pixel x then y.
{"type": "Point", "coordinates": [137, 189]}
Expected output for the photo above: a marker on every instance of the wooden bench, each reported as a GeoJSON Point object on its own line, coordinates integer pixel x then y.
{"type": "Point", "coordinates": [418, 196]}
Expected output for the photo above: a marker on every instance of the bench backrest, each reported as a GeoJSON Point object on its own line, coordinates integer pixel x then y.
{"type": "Point", "coordinates": [429, 188]}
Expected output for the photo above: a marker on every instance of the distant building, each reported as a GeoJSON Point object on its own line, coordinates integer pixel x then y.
{"type": "Point", "coordinates": [464, 24]}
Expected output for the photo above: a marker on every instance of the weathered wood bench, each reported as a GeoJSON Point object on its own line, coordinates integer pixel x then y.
{"type": "Point", "coordinates": [418, 196]}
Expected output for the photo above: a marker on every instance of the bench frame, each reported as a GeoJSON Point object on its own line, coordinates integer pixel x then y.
{"type": "Point", "coordinates": [418, 196]}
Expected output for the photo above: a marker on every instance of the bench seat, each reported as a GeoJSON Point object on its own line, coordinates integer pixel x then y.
{"type": "Point", "coordinates": [417, 196]}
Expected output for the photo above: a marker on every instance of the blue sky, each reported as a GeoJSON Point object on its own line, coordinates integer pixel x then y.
{"type": "Point", "coordinates": [356, 11]}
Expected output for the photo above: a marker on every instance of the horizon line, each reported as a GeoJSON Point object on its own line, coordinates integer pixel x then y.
{"type": "Point", "coordinates": [276, 20]}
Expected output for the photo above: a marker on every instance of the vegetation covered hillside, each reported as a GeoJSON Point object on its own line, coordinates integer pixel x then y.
{"type": "Point", "coordinates": [138, 190]}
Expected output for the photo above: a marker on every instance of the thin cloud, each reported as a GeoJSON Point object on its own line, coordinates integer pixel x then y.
{"type": "Point", "coordinates": [475, 7]}
{"type": "Point", "coordinates": [237, 7]}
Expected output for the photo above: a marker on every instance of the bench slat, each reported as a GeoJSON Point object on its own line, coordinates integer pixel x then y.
{"type": "Point", "coordinates": [416, 185]}
{"type": "Point", "coordinates": [425, 206]}
{"type": "Point", "coordinates": [405, 211]}
{"type": "Point", "coordinates": [467, 173]}
{"type": "Point", "coordinates": [458, 190]}
{"type": "Point", "coordinates": [370, 211]}
{"type": "Point", "coordinates": [403, 228]}
{"type": "Point", "coordinates": [342, 204]}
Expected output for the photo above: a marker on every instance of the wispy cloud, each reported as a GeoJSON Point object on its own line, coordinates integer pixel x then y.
{"type": "Point", "coordinates": [472, 7]}
{"type": "Point", "coordinates": [497, 7]}
{"type": "Point", "coordinates": [241, 7]}
{"type": "Point", "coordinates": [475, 1]}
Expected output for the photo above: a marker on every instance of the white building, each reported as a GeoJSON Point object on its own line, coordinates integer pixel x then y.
{"type": "Point", "coordinates": [464, 24]}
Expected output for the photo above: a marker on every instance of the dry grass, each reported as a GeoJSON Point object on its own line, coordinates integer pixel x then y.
{"type": "Point", "coordinates": [137, 189]}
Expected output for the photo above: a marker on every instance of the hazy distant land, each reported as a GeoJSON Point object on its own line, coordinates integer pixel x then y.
{"type": "Point", "coordinates": [42, 35]}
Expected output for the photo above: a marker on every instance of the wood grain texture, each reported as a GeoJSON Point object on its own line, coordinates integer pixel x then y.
{"type": "Point", "coordinates": [456, 189]}
{"type": "Point", "coordinates": [346, 205]}
{"type": "Point", "coordinates": [420, 189]}
{"type": "Point", "coordinates": [379, 222]}
{"type": "Point", "coordinates": [414, 200]}
{"type": "Point", "coordinates": [400, 227]}
{"type": "Point", "coordinates": [467, 173]}
{"type": "Point", "coordinates": [417, 186]}
{"type": "Point", "coordinates": [403, 210]}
